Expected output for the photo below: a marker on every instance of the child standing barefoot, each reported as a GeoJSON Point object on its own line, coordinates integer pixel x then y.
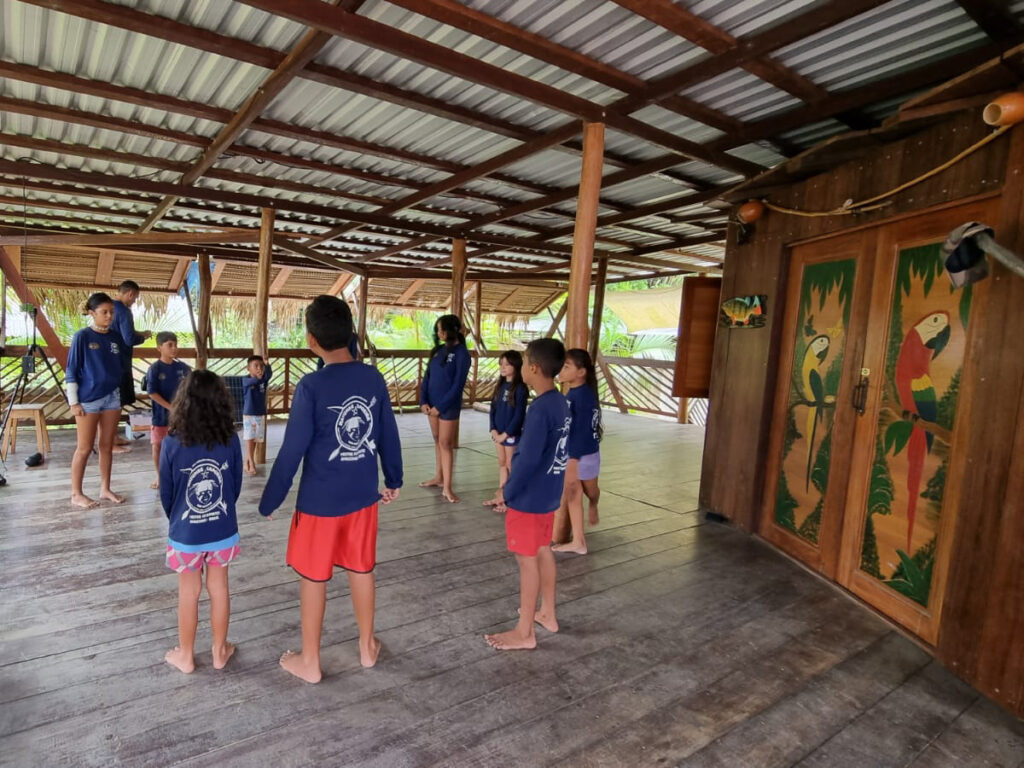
{"type": "Point", "coordinates": [200, 480]}
{"type": "Point", "coordinates": [254, 408]}
{"type": "Point", "coordinates": [162, 381]}
{"type": "Point", "coordinates": [340, 424]}
{"type": "Point", "coordinates": [508, 410]}
{"type": "Point", "coordinates": [531, 495]}
{"type": "Point", "coordinates": [584, 438]}
{"type": "Point", "coordinates": [93, 380]}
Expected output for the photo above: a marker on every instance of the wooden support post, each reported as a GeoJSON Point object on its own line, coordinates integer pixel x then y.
{"type": "Point", "coordinates": [595, 322]}
{"type": "Point", "coordinates": [260, 331]}
{"type": "Point", "coordinates": [203, 319]}
{"type": "Point", "coordinates": [460, 262]}
{"type": "Point", "coordinates": [682, 413]}
{"type": "Point", "coordinates": [556, 319]}
{"type": "Point", "coordinates": [478, 305]}
{"type": "Point", "coordinates": [263, 271]}
{"type": "Point", "coordinates": [583, 236]}
{"type": "Point", "coordinates": [364, 306]}
{"type": "Point", "coordinates": [10, 263]}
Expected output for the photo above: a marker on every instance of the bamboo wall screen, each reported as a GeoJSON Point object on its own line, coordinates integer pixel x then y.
{"type": "Point", "coordinates": [868, 412]}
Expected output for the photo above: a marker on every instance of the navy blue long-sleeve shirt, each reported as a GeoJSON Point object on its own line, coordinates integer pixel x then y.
{"type": "Point", "coordinates": [95, 363]}
{"type": "Point", "coordinates": [255, 393]}
{"type": "Point", "coordinates": [507, 418]}
{"type": "Point", "coordinates": [446, 378]}
{"type": "Point", "coordinates": [340, 423]}
{"type": "Point", "coordinates": [537, 473]}
{"type": "Point", "coordinates": [163, 379]}
{"type": "Point", "coordinates": [199, 487]}
{"type": "Point", "coordinates": [585, 435]}
{"type": "Point", "coordinates": [124, 324]}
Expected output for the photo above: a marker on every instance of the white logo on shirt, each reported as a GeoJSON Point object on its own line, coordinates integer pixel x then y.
{"type": "Point", "coordinates": [595, 424]}
{"type": "Point", "coordinates": [561, 459]}
{"type": "Point", "coordinates": [204, 492]}
{"type": "Point", "coordinates": [353, 429]}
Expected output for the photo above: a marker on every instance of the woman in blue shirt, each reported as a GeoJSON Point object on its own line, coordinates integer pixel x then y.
{"type": "Point", "coordinates": [441, 397]}
{"type": "Point", "coordinates": [93, 379]}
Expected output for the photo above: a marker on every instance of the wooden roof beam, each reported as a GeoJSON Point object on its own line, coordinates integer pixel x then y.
{"type": "Point", "coordinates": [143, 238]}
{"type": "Point", "coordinates": [411, 291]}
{"type": "Point", "coordinates": [319, 15]}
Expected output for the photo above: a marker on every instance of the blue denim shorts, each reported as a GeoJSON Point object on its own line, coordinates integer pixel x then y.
{"type": "Point", "coordinates": [111, 402]}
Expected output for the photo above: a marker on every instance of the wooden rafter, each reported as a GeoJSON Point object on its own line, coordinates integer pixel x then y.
{"type": "Point", "coordinates": [178, 276]}
{"type": "Point", "coordinates": [280, 279]}
{"type": "Point", "coordinates": [411, 291]}
{"type": "Point", "coordinates": [145, 238]}
{"type": "Point", "coordinates": [105, 267]}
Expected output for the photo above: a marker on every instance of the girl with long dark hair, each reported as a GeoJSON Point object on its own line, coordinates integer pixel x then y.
{"type": "Point", "coordinates": [508, 411]}
{"type": "Point", "coordinates": [200, 481]}
{"type": "Point", "coordinates": [93, 380]}
{"type": "Point", "coordinates": [585, 434]}
{"type": "Point", "coordinates": [441, 398]}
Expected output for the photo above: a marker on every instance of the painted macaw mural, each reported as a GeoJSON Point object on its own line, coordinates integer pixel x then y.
{"type": "Point", "coordinates": [924, 356]}
{"type": "Point", "coordinates": [826, 291]}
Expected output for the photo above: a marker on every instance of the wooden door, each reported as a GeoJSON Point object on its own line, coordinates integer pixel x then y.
{"type": "Point", "coordinates": [825, 311]}
{"type": "Point", "coordinates": [906, 473]}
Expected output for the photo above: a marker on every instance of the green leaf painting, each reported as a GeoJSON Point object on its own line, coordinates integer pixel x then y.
{"type": "Point", "coordinates": [811, 527]}
{"type": "Point", "coordinates": [880, 493]}
{"type": "Point", "coordinates": [913, 577]}
{"type": "Point", "coordinates": [869, 562]}
{"type": "Point", "coordinates": [785, 505]}
{"type": "Point", "coordinates": [897, 435]}
{"type": "Point", "coordinates": [826, 277]}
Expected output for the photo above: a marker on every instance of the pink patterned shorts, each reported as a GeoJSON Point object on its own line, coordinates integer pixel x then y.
{"type": "Point", "coordinates": [183, 562]}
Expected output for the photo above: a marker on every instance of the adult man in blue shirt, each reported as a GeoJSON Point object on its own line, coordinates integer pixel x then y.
{"type": "Point", "coordinates": [124, 324]}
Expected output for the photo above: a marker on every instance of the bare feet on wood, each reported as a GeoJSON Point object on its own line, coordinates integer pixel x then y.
{"type": "Point", "coordinates": [434, 482]}
{"type": "Point", "coordinates": [449, 495]}
{"type": "Point", "coordinates": [368, 655]}
{"type": "Point", "coordinates": [221, 655]}
{"type": "Point", "coordinates": [111, 497]}
{"type": "Point", "coordinates": [512, 641]}
{"type": "Point", "coordinates": [121, 449]}
{"type": "Point", "coordinates": [571, 548]}
{"type": "Point", "coordinates": [546, 619]}
{"type": "Point", "coordinates": [82, 501]}
{"type": "Point", "coordinates": [304, 670]}
{"type": "Point", "coordinates": [181, 659]}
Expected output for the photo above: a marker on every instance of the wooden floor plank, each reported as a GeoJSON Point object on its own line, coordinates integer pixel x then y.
{"type": "Point", "coordinates": [681, 640]}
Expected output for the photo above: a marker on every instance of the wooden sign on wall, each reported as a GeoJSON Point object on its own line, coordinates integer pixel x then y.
{"type": "Point", "coordinates": [695, 347]}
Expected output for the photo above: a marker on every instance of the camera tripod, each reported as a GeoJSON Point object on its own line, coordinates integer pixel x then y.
{"type": "Point", "coordinates": [28, 368]}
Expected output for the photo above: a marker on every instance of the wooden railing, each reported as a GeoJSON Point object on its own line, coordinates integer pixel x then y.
{"type": "Point", "coordinates": [632, 385]}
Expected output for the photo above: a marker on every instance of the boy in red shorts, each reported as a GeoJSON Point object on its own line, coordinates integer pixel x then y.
{"type": "Point", "coordinates": [340, 423]}
{"type": "Point", "coordinates": [533, 492]}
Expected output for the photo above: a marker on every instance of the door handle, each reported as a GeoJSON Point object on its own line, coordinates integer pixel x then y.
{"type": "Point", "coordinates": [860, 391]}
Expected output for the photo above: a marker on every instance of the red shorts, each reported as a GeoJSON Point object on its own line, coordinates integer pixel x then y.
{"type": "Point", "coordinates": [317, 544]}
{"type": "Point", "coordinates": [526, 533]}
{"type": "Point", "coordinates": [157, 434]}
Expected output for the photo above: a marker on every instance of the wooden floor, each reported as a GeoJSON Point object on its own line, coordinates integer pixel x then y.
{"type": "Point", "coordinates": [682, 643]}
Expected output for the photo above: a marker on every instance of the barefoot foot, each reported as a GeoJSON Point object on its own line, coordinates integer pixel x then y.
{"type": "Point", "coordinates": [221, 655]}
{"type": "Point", "coordinates": [83, 501]}
{"type": "Point", "coordinates": [181, 659]}
{"type": "Point", "coordinates": [368, 656]}
{"type": "Point", "coordinates": [111, 496]}
{"type": "Point", "coordinates": [449, 496]}
{"type": "Point", "coordinates": [575, 549]}
{"type": "Point", "coordinates": [121, 449]}
{"type": "Point", "coordinates": [545, 619]}
{"type": "Point", "coordinates": [492, 503]}
{"type": "Point", "coordinates": [296, 664]}
{"type": "Point", "coordinates": [434, 482]}
{"type": "Point", "coordinates": [511, 641]}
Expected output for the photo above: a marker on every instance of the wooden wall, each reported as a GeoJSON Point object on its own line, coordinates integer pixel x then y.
{"type": "Point", "coordinates": [982, 634]}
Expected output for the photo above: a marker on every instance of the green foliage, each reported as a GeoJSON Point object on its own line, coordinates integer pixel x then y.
{"type": "Point", "coordinates": [923, 263]}
{"type": "Point", "coordinates": [792, 433]}
{"type": "Point", "coordinates": [822, 460]}
{"type": "Point", "coordinates": [869, 562]}
{"type": "Point", "coordinates": [936, 484]}
{"type": "Point", "coordinates": [946, 408]}
{"type": "Point", "coordinates": [892, 351]}
{"type": "Point", "coordinates": [785, 505]}
{"type": "Point", "coordinates": [834, 374]}
{"type": "Point", "coordinates": [810, 528]}
{"type": "Point", "coordinates": [896, 436]}
{"type": "Point", "coordinates": [642, 285]}
{"type": "Point", "coordinates": [824, 278]}
{"type": "Point", "coordinates": [880, 491]}
{"type": "Point", "coordinates": [913, 577]}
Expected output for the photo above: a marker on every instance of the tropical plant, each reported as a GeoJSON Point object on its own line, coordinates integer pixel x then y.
{"type": "Point", "coordinates": [785, 505]}
{"type": "Point", "coordinates": [913, 576]}
{"type": "Point", "coordinates": [869, 561]}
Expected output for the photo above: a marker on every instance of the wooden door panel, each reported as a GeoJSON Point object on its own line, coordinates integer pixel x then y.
{"type": "Point", "coordinates": [812, 429]}
{"type": "Point", "coordinates": [899, 519]}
